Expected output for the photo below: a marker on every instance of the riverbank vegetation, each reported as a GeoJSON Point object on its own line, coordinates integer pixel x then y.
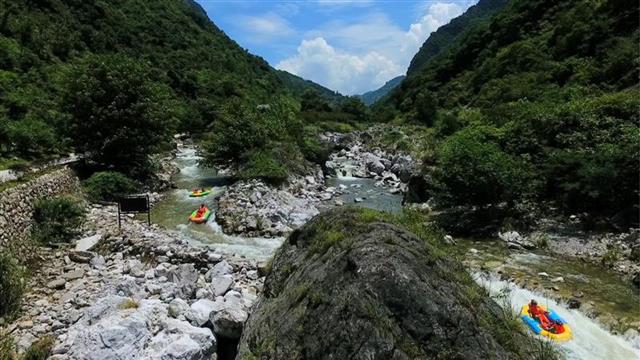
{"type": "Point", "coordinates": [57, 220]}
{"type": "Point", "coordinates": [538, 103]}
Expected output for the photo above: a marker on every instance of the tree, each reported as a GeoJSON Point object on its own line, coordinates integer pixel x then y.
{"type": "Point", "coordinates": [354, 106]}
{"type": "Point", "coordinates": [473, 170]}
{"type": "Point", "coordinates": [313, 101]}
{"type": "Point", "coordinates": [425, 105]}
{"type": "Point", "coordinates": [119, 115]}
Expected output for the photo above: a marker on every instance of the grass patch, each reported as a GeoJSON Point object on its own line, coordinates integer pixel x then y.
{"type": "Point", "coordinates": [128, 304]}
{"type": "Point", "coordinates": [7, 347]}
{"type": "Point", "coordinates": [611, 256]}
{"type": "Point", "coordinates": [39, 350]}
{"type": "Point", "coordinates": [13, 164]}
{"type": "Point", "coordinates": [325, 241]}
{"type": "Point", "coordinates": [12, 284]}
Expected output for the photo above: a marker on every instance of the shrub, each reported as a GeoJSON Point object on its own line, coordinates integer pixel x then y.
{"type": "Point", "coordinates": [473, 170]}
{"type": "Point", "coordinates": [57, 220]}
{"type": "Point", "coordinates": [39, 350]}
{"type": "Point", "coordinates": [107, 185]}
{"type": "Point", "coordinates": [12, 284]}
{"type": "Point", "coordinates": [263, 165]}
{"type": "Point", "coordinates": [315, 151]}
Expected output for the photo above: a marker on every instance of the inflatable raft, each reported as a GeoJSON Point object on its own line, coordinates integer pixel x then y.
{"type": "Point", "coordinates": [535, 326]}
{"type": "Point", "coordinates": [200, 193]}
{"type": "Point", "coordinates": [199, 220]}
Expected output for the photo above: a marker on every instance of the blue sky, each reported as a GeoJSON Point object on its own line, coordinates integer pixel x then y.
{"type": "Point", "coordinates": [351, 46]}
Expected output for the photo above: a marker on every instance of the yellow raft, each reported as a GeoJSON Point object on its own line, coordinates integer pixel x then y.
{"type": "Point", "coordinates": [535, 326]}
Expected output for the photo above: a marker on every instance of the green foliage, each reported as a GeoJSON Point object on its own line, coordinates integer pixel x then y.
{"type": "Point", "coordinates": [312, 101]}
{"type": "Point", "coordinates": [7, 347]}
{"type": "Point", "coordinates": [115, 78]}
{"type": "Point", "coordinates": [475, 171]}
{"type": "Point", "coordinates": [446, 124]}
{"type": "Point", "coordinates": [301, 88]}
{"type": "Point", "coordinates": [107, 185]}
{"type": "Point", "coordinates": [264, 165]}
{"type": "Point", "coordinates": [425, 105]}
{"type": "Point", "coordinates": [559, 82]}
{"type": "Point", "coordinates": [12, 285]}
{"type": "Point", "coordinates": [57, 220]}
{"type": "Point", "coordinates": [354, 106]}
{"type": "Point", "coordinates": [265, 142]}
{"type": "Point", "coordinates": [118, 114]}
{"type": "Point", "coordinates": [40, 349]}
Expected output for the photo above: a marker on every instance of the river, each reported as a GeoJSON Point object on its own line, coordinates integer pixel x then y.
{"type": "Point", "coordinates": [605, 292]}
{"type": "Point", "coordinates": [590, 340]}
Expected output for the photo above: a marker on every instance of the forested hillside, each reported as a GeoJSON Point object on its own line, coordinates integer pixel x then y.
{"type": "Point", "coordinates": [539, 102]}
{"type": "Point", "coordinates": [371, 97]}
{"type": "Point", "coordinates": [297, 86]}
{"type": "Point", "coordinates": [115, 78]}
{"type": "Point", "coordinates": [440, 39]}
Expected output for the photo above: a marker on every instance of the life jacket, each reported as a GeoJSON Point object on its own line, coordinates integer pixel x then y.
{"type": "Point", "coordinates": [535, 310]}
{"type": "Point", "coordinates": [557, 328]}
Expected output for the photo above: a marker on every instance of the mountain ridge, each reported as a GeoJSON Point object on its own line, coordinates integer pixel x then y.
{"type": "Point", "coordinates": [370, 97]}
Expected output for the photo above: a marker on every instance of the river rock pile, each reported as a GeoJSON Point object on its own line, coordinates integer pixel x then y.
{"type": "Point", "coordinates": [253, 208]}
{"type": "Point", "coordinates": [355, 160]}
{"type": "Point", "coordinates": [138, 293]}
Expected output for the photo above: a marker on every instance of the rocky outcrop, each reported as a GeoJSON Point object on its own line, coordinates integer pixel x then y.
{"type": "Point", "coordinates": [121, 328]}
{"type": "Point", "coordinates": [254, 208]}
{"type": "Point", "coordinates": [349, 286]}
{"type": "Point", "coordinates": [17, 203]}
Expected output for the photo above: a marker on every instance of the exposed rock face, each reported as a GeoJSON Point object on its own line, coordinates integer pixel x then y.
{"type": "Point", "coordinates": [346, 286]}
{"type": "Point", "coordinates": [143, 330]}
{"type": "Point", "coordinates": [256, 209]}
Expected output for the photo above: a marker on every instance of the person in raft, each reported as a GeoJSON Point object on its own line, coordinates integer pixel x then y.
{"type": "Point", "coordinates": [198, 190]}
{"type": "Point", "coordinates": [201, 210]}
{"type": "Point", "coordinates": [556, 327]}
{"type": "Point", "coordinates": [538, 314]}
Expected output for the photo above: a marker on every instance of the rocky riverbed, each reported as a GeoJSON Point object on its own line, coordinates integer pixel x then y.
{"type": "Point", "coordinates": [138, 292]}
{"type": "Point", "coordinates": [253, 208]}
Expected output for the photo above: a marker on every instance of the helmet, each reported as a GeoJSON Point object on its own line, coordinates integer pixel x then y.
{"type": "Point", "coordinates": [533, 302]}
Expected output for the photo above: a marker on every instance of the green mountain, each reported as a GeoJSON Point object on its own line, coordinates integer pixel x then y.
{"type": "Point", "coordinates": [297, 86]}
{"type": "Point", "coordinates": [371, 97]}
{"type": "Point", "coordinates": [447, 34]}
{"type": "Point", "coordinates": [537, 102]}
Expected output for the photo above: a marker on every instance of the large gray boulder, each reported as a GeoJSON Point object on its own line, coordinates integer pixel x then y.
{"type": "Point", "coordinates": [350, 286]}
{"type": "Point", "coordinates": [120, 328]}
{"type": "Point", "coordinates": [374, 164]}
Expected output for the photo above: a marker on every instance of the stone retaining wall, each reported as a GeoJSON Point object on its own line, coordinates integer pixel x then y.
{"type": "Point", "coordinates": [16, 203]}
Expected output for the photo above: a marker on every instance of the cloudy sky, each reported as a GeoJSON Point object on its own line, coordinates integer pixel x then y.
{"type": "Point", "coordinates": [351, 46]}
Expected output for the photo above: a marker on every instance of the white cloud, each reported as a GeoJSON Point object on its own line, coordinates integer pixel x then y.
{"type": "Point", "coordinates": [266, 27]}
{"type": "Point", "coordinates": [438, 14]}
{"type": "Point", "coordinates": [360, 56]}
{"type": "Point", "coordinates": [346, 73]}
